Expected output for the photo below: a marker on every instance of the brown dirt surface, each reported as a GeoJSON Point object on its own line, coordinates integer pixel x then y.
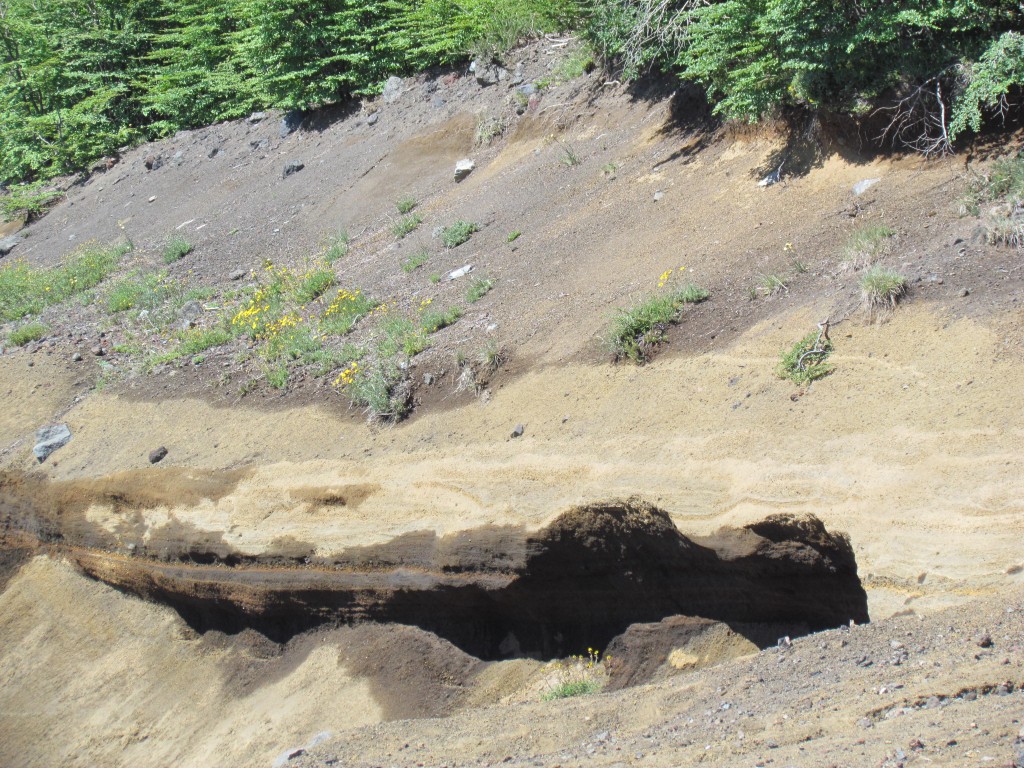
{"type": "Point", "coordinates": [912, 446]}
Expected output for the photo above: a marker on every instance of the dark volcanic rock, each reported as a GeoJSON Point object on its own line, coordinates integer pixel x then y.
{"type": "Point", "coordinates": [493, 592]}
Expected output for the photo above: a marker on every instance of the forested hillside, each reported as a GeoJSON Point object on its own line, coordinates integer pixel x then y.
{"type": "Point", "coordinates": [80, 78]}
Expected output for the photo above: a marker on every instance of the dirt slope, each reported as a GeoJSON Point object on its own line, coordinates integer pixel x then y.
{"type": "Point", "coordinates": [912, 446]}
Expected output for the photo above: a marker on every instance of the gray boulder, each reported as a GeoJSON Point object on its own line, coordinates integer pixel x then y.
{"type": "Point", "coordinates": [392, 90]}
{"type": "Point", "coordinates": [49, 439]}
{"type": "Point", "coordinates": [291, 167]}
{"type": "Point", "coordinates": [8, 244]}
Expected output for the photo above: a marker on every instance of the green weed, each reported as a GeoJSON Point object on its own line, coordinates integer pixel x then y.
{"type": "Point", "coordinates": [513, 236]}
{"type": "Point", "coordinates": [636, 331]}
{"type": "Point", "coordinates": [345, 310]}
{"type": "Point", "coordinates": [478, 289]}
{"type": "Point", "coordinates": [1003, 179]}
{"type": "Point", "coordinates": [24, 334]}
{"type": "Point", "coordinates": [768, 285]}
{"type": "Point", "coordinates": [458, 233]}
{"type": "Point", "coordinates": [313, 285]}
{"type": "Point", "coordinates": [177, 248]}
{"type": "Point", "coordinates": [401, 336]}
{"type": "Point", "coordinates": [577, 676]}
{"type": "Point", "coordinates": [382, 389]}
{"type": "Point", "coordinates": [432, 322]}
{"type": "Point", "coordinates": [416, 261]}
{"type": "Point", "coordinates": [406, 225]}
{"type": "Point", "coordinates": [27, 291]}
{"type": "Point", "coordinates": [406, 205]}
{"type": "Point", "coordinates": [138, 292]}
{"type": "Point", "coordinates": [865, 245]}
{"type": "Point", "coordinates": [338, 248]}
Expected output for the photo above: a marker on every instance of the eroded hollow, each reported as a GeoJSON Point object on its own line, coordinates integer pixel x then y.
{"type": "Point", "coordinates": [501, 592]}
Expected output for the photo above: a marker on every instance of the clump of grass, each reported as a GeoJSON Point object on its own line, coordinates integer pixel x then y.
{"type": "Point", "coordinates": [416, 261]}
{"type": "Point", "coordinates": [382, 388]}
{"type": "Point", "coordinates": [806, 361]}
{"type": "Point", "coordinates": [577, 676]}
{"type": "Point", "coordinates": [1005, 230]}
{"type": "Point", "coordinates": [192, 342]}
{"type": "Point", "coordinates": [345, 310]}
{"type": "Point", "coordinates": [636, 331]}
{"type": "Point", "coordinates": [138, 292]}
{"type": "Point", "coordinates": [458, 233]}
{"type": "Point", "coordinates": [434, 321]}
{"type": "Point", "coordinates": [313, 285]}
{"type": "Point", "coordinates": [513, 236]}
{"type": "Point", "coordinates": [277, 376]}
{"type": "Point", "coordinates": [27, 291]}
{"type": "Point", "coordinates": [478, 289]}
{"type": "Point", "coordinates": [24, 334]}
{"type": "Point", "coordinates": [337, 248]}
{"type": "Point", "coordinates": [576, 64]}
{"type": "Point", "coordinates": [1003, 179]}
{"type": "Point", "coordinates": [401, 336]}
{"type": "Point", "coordinates": [491, 357]}
{"type": "Point", "coordinates": [609, 169]}
{"type": "Point", "coordinates": [882, 288]}
{"type": "Point", "coordinates": [406, 225]}
{"type": "Point", "coordinates": [865, 245]}
{"type": "Point", "coordinates": [406, 204]}
{"type": "Point", "coordinates": [488, 129]}
{"type": "Point", "coordinates": [769, 285]}
{"type": "Point", "coordinates": [177, 248]}
{"type": "Point", "coordinates": [435, 278]}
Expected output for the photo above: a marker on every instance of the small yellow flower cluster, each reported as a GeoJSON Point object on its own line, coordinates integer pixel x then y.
{"type": "Point", "coordinates": [383, 308]}
{"type": "Point", "coordinates": [665, 276]}
{"type": "Point", "coordinates": [347, 376]}
{"type": "Point", "coordinates": [344, 296]}
{"type": "Point", "coordinates": [248, 318]}
{"type": "Point", "coordinates": [425, 303]}
{"type": "Point", "coordinates": [788, 247]}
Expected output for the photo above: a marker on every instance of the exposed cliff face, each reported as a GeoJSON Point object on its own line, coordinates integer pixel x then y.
{"type": "Point", "coordinates": [500, 592]}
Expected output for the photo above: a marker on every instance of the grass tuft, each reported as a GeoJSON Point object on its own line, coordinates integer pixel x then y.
{"type": "Point", "coordinates": [866, 245]}
{"type": "Point", "coordinates": [432, 322]}
{"type": "Point", "coordinates": [406, 225]}
{"type": "Point", "coordinates": [33, 331]}
{"type": "Point", "coordinates": [338, 248]}
{"type": "Point", "coordinates": [458, 233]}
{"type": "Point", "coordinates": [177, 248]}
{"type": "Point", "coordinates": [882, 288]}
{"type": "Point", "coordinates": [478, 289]}
{"type": "Point", "coordinates": [636, 331]}
{"type": "Point", "coordinates": [313, 285]}
{"type": "Point", "coordinates": [406, 204]}
{"type": "Point", "coordinates": [416, 261]}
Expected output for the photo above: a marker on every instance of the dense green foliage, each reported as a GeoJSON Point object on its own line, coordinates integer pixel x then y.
{"type": "Point", "coordinates": [937, 67]}
{"type": "Point", "coordinates": [81, 78]}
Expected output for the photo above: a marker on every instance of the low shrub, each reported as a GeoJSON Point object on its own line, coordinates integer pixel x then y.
{"type": "Point", "coordinates": [806, 361]}
{"type": "Point", "coordinates": [406, 225]}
